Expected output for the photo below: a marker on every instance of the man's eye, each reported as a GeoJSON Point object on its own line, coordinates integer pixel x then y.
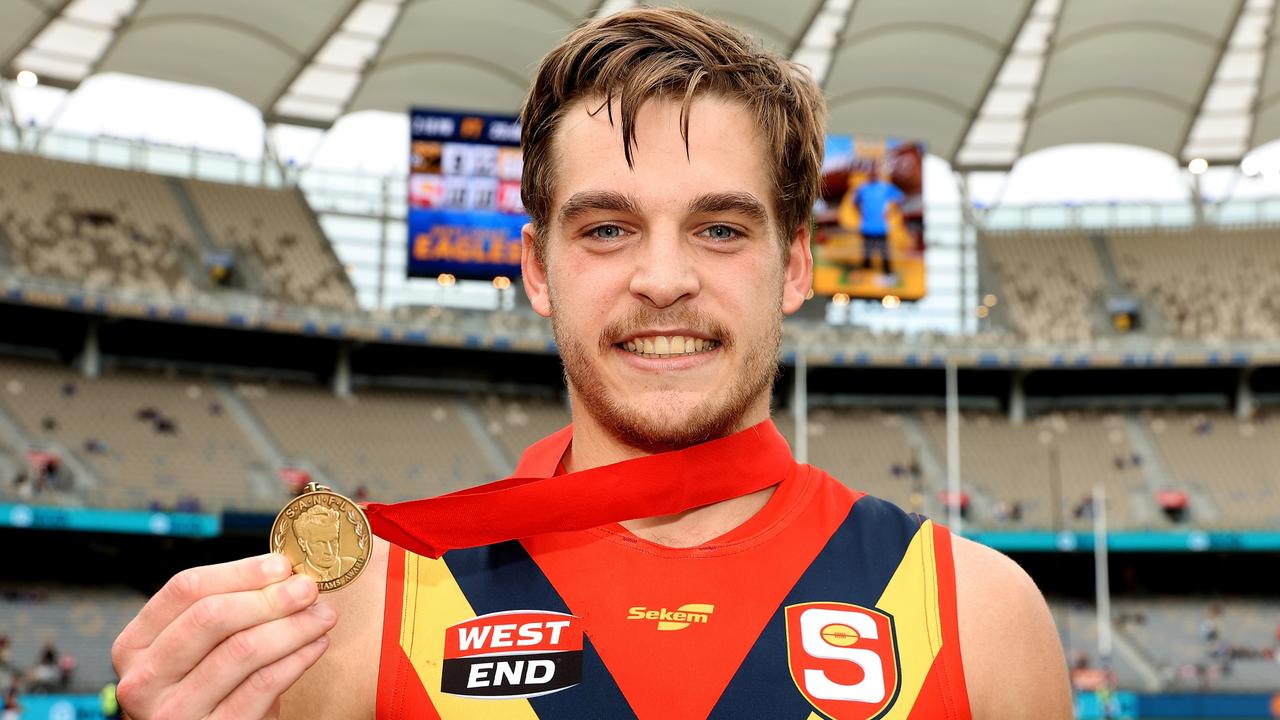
{"type": "Point", "coordinates": [720, 232]}
{"type": "Point", "coordinates": [606, 232]}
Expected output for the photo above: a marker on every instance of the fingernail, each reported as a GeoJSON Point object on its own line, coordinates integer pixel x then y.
{"type": "Point", "coordinates": [324, 612]}
{"type": "Point", "coordinates": [300, 587]}
{"type": "Point", "coordinates": [274, 565]}
{"type": "Point", "coordinates": [322, 640]}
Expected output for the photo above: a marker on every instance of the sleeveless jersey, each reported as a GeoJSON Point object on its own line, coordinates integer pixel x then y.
{"type": "Point", "coordinates": [828, 603]}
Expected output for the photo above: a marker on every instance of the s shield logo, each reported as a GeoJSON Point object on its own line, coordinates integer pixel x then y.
{"type": "Point", "coordinates": [843, 658]}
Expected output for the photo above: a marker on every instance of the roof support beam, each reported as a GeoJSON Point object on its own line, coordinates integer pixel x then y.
{"type": "Point", "coordinates": [1219, 52]}
{"type": "Point", "coordinates": [6, 64]}
{"type": "Point", "coordinates": [306, 60]}
{"type": "Point", "coordinates": [1005, 52]}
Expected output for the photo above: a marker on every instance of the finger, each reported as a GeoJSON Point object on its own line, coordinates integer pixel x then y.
{"type": "Point", "coordinates": [188, 586]}
{"type": "Point", "coordinates": [218, 618]}
{"type": "Point", "coordinates": [255, 696]}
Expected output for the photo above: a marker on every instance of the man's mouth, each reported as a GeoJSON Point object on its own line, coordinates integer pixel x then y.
{"type": "Point", "coordinates": [665, 346]}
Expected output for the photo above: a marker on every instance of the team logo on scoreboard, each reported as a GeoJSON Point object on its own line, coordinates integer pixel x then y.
{"type": "Point", "coordinates": [843, 658]}
{"type": "Point", "coordinates": [512, 654]}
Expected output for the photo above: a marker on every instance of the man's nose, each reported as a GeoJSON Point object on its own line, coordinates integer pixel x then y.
{"type": "Point", "coordinates": [665, 271]}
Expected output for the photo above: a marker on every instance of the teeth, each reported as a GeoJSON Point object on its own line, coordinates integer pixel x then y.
{"type": "Point", "coordinates": [667, 346]}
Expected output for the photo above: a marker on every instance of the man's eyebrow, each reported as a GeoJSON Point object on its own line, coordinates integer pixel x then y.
{"type": "Point", "coordinates": [590, 200]}
{"type": "Point", "coordinates": [730, 202]}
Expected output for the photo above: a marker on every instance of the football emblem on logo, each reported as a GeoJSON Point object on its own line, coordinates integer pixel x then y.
{"type": "Point", "coordinates": [843, 658]}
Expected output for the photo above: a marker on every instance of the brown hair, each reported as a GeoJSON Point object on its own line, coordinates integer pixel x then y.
{"type": "Point", "coordinates": [636, 55]}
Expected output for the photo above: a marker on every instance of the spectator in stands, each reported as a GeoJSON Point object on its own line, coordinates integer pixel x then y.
{"type": "Point", "coordinates": [22, 485]}
{"type": "Point", "coordinates": [1204, 426]}
{"type": "Point", "coordinates": [1209, 625]}
{"type": "Point", "coordinates": [45, 675]}
{"type": "Point", "coordinates": [165, 426]}
{"type": "Point", "coordinates": [67, 664]}
{"type": "Point", "coordinates": [8, 671]}
{"type": "Point", "coordinates": [1083, 510]}
{"type": "Point", "coordinates": [12, 709]}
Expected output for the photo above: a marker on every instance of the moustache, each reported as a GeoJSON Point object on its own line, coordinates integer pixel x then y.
{"type": "Point", "coordinates": [641, 318]}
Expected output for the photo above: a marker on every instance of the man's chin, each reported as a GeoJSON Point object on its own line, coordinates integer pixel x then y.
{"type": "Point", "coordinates": [667, 431]}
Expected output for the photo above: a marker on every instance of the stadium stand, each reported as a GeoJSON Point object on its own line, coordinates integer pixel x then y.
{"type": "Point", "coordinates": [867, 450]}
{"type": "Point", "coordinates": [108, 229]}
{"type": "Point", "coordinates": [1049, 280]}
{"type": "Point", "coordinates": [519, 422]}
{"type": "Point", "coordinates": [278, 231]}
{"type": "Point", "coordinates": [98, 227]}
{"type": "Point", "coordinates": [1077, 627]}
{"type": "Point", "coordinates": [1232, 464]}
{"type": "Point", "coordinates": [1208, 283]}
{"type": "Point", "coordinates": [1229, 644]}
{"type": "Point", "coordinates": [151, 440]}
{"type": "Point", "coordinates": [78, 623]}
{"type": "Point", "coordinates": [397, 445]}
{"type": "Point", "coordinates": [1003, 462]}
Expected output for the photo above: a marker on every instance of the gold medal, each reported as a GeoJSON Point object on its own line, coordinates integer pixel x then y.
{"type": "Point", "coordinates": [324, 535]}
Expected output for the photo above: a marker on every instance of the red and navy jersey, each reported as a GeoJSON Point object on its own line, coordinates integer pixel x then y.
{"type": "Point", "coordinates": [827, 603]}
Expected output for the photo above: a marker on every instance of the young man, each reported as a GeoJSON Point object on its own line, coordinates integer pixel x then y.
{"type": "Point", "coordinates": [670, 170]}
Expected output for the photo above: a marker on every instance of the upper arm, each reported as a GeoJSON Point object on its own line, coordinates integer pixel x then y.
{"type": "Point", "coordinates": [1013, 661]}
{"type": "Point", "coordinates": [344, 681]}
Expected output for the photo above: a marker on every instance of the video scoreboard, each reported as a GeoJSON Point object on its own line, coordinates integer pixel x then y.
{"type": "Point", "coordinates": [465, 212]}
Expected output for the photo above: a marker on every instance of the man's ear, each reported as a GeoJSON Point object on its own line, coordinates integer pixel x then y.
{"type": "Point", "coordinates": [533, 273]}
{"type": "Point", "coordinates": [797, 277]}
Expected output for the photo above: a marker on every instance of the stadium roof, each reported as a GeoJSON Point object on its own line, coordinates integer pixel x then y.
{"type": "Point", "coordinates": [982, 82]}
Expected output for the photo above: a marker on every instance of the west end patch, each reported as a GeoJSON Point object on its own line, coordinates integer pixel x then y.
{"type": "Point", "coordinates": [512, 654]}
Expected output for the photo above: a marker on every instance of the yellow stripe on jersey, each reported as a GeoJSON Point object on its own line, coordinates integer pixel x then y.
{"type": "Point", "coordinates": [911, 597]}
{"type": "Point", "coordinates": [433, 602]}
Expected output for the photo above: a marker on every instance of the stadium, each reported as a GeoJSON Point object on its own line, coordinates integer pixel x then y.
{"type": "Point", "coordinates": [234, 259]}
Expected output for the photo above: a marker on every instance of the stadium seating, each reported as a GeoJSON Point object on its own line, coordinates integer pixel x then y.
{"type": "Point", "coordinates": [1208, 284]}
{"type": "Point", "coordinates": [106, 229]}
{"type": "Point", "coordinates": [276, 229]}
{"type": "Point", "coordinates": [397, 445]}
{"type": "Point", "coordinates": [1227, 644]}
{"type": "Point", "coordinates": [1048, 281]}
{"type": "Point", "coordinates": [96, 227]}
{"type": "Point", "coordinates": [80, 621]}
{"type": "Point", "coordinates": [1001, 461]}
{"type": "Point", "coordinates": [518, 423]}
{"type": "Point", "coordinates": [865, 449]}
{"type": "Point", "coordinates": [1233, 464]}
{"type": "Point", "coordinates": [151, 440]}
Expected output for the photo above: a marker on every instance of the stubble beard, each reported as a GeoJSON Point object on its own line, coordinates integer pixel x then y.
{"type": "Point", "coordinates": [717, 415]}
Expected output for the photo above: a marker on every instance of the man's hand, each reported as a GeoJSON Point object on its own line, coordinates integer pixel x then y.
{"type": "Point", "coordinates": [221, 641]}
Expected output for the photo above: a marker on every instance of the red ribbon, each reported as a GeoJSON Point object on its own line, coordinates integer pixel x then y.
{"type": "Point", "coordinates": [649, 486]}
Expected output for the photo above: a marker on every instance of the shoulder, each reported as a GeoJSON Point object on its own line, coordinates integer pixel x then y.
{"type": "Point", "coordinates": [344, 682]}
{"type": "Point", "coordinates": [1013, 661]}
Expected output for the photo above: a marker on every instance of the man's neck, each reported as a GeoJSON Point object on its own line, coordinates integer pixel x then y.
{"type": "Point", "coordinates": [595, 446]}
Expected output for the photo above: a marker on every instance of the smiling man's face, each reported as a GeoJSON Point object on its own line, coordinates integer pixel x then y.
{"type": "Point", "coordinates": [667, 282]}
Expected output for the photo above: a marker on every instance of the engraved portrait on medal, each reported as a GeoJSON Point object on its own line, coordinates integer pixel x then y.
{"type": "Point", "coordinates": [324, 535]}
